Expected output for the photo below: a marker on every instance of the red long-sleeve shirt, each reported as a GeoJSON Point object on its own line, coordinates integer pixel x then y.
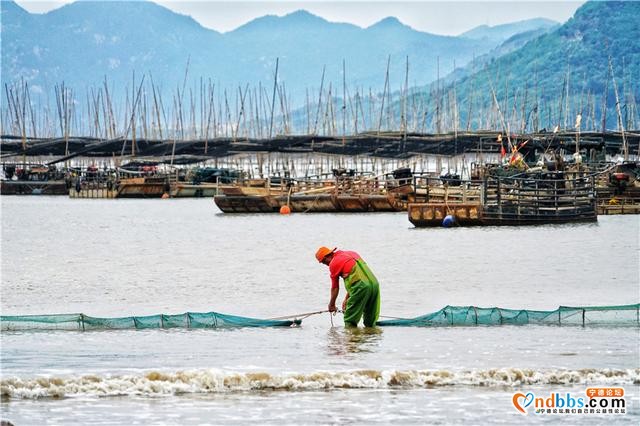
{"type": "Point", "coordinates": [341, 265]}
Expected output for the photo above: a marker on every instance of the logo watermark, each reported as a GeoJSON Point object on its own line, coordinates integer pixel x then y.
{"type": "Point", "coordinates": [604, 400]}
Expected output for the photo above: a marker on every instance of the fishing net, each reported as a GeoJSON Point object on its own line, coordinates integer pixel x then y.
{"type": "Point", "coordinates": [85, 322]}
{"type": "Point", "coordinates": [564, 315]}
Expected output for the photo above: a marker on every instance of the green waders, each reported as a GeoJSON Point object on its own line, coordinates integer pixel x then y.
{"type": "Point", "coordinates": [364, 296]}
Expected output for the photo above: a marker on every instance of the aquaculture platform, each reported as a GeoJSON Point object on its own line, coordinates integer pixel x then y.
{"type": "Point", "coordinates": [522, 200]}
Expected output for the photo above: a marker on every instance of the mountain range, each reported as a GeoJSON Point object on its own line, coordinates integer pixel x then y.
{"type": "Point", "coordinates": [84, 42]}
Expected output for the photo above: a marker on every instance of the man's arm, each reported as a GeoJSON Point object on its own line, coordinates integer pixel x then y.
{"type": "Point", "coordinates": [344, 303]}
{"type": "Point", "coordinates": [334, 297]}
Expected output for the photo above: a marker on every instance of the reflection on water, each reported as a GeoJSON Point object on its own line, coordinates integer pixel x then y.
{"type": "Point", "coordinates": [349, 340]}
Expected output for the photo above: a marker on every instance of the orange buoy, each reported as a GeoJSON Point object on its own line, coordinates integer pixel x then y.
{"type": "Point", "coordinates": [285, 209]}
{"type": "Point", "coordinates": [165, 195]}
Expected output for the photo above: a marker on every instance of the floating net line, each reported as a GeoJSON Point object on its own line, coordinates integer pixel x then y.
{"type": "Point", "coordinates": [84, 322]}
{"type": "Point", "coordinates": [564, 315]}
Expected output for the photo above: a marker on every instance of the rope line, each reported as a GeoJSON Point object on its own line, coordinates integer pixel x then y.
{"type": "Point", "coordinates": [397, 318]}
{"type": "Point", "coordinates": [337, 311]}
{"type": "Point", "coordinates": [300, 316]}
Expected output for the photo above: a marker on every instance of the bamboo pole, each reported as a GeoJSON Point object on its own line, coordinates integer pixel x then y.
{"type": "Point", "coordinates": [315, 124]}
{"type": "Point", "coordinates": [625, 147]}
{"type": "Point", "coordinates": [384, 93]}
{"type": "Point", "coordinates": [273, 98]}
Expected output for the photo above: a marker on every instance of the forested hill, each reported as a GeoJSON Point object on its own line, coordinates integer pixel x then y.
{"type": "Point", "coordinates": [556, 76]}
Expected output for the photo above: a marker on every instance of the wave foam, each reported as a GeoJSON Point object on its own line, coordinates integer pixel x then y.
{"type": "Point", "coordinates": [156, 383]}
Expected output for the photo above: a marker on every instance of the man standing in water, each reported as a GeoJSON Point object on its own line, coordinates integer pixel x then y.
{"type": "Point", "coordinates": [363, 290]}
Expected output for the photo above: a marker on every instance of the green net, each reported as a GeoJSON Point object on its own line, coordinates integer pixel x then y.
{"type": "Point", "coordinates": [564, 315]}
{"type": "Point", "coordinates": [85, 322]}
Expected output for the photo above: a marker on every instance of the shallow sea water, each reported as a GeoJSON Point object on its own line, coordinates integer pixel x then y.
{"type": "Point", "coordinates": [139, 257]}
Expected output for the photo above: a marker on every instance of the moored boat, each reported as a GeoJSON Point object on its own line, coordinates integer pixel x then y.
{"type": "Point", "coordinates": [32, 179]}
{"type": "Point", "coordinates": [345, 191]}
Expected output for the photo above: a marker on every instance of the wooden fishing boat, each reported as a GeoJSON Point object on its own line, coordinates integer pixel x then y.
{"type": "Point", "coordinates": [181, 190]}
{"type": "Point", "coordinates": [143, 187]}
{"type": "Point", "coordinates": [32, 179]}
{"type": "Point", "coordinates": [619, 190]}
{"type": "Point", "coordinates": [344, 192]}
{"type": "Point", "coordinates": [33, 187]}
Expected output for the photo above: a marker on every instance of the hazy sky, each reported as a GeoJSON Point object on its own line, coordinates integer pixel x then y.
{"type": "Point", "coordinates": [439, 17]}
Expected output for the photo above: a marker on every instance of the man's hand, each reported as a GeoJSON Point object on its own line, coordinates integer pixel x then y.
{"type": "Point", "coordinates": [332, 307]}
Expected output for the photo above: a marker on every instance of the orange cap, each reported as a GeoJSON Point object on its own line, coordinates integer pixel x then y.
{"type": "Point", "coordinates": [324, 252]}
